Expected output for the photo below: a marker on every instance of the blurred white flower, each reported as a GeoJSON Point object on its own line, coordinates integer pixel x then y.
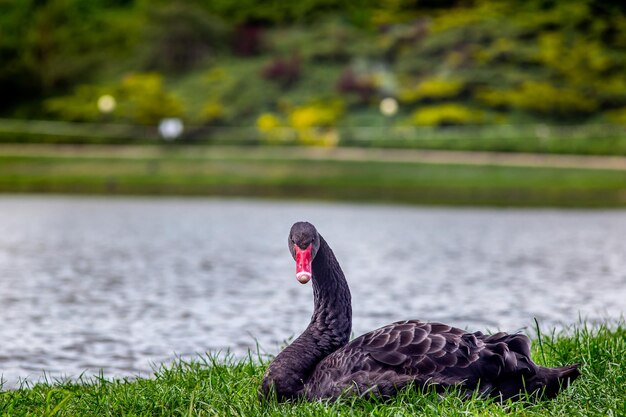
{"type": "Point", "coordinates": [389, 106]}
{"type": "Point", "coordinates": [106, 103]}
{"type": "Point", "coordinates": [170, 128]}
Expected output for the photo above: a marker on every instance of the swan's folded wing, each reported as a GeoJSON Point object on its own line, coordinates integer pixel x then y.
{"type": "Point", "coordinates": [387, 359]}
{"type": "Point", "coordinates": [423, 349]}
{"type": "Point", "coordinates": [434, 352]}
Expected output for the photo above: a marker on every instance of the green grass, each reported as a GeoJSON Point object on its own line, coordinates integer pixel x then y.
{"type": "Point", "coordinates": [578, 140]}
{"type": "Point", "coordinates": [597, 144]}
{"type": "Point", "coordinates": [227, 387]}
{"type": "Point", "coordinates": [259, 173]}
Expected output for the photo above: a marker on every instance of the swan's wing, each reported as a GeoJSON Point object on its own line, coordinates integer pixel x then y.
{"type": "Point", "coordinates": [387, 359]}
{"type": "Point", "coordinates": [434, 352]}
{"type": "Point", "coordinates": [421, 348]}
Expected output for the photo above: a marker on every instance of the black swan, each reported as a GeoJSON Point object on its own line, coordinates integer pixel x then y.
{"type": "Point", "coordinates": [322, 364]}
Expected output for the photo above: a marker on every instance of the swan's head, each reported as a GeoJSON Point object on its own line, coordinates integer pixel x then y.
{"type": "Point", "coordinates": [304, 242]}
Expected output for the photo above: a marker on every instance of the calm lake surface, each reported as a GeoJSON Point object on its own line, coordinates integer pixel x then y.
{"type": "Point", "coordinates": [124, 284]}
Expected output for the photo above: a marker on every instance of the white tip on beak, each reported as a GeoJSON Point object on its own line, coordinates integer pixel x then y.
{"type": "Point", "coordinates": [303, 277]}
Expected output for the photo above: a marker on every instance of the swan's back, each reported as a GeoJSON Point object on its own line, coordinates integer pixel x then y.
{"type": "Point", "coordinates": [387, 359]}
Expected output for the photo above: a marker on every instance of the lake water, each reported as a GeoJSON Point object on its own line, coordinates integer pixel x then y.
{"type": "Point", "coordinates": [123, 284]}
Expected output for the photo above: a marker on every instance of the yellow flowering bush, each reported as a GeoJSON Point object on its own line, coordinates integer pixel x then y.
{"type": "Point", "coordinates": [212, 111]}
{"type": "Point", "coordinates": [268, 121]}
{"type": "Point", "coordinates": [445, 114]}
{"type": "Point", "coordinates": [145, 101]}
{"type": "Point", "coordinates": [314, 123]}
{"type": "Point", "coordinates": [310, 124]}
{"type": "Point", "coordinates": [273, 130]}
{"type": "Point", "coordinates": [431, 88]}
{"type": "Point", "coordinates": [540, 97]}
{"type": "Point", "coordinates": [463, 16]}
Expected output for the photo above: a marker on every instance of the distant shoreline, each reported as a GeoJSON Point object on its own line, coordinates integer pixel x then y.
{"type": "Point", "coordinates": [344, 174]}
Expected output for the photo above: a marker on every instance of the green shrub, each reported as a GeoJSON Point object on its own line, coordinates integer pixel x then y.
{"type": "Point", "coordinates": [618, 116]}
{"type": "Point", "coordinates": [81, 106]}
{"type": "Point", "coordinates": [143, 99]}
{"type": "Point", "coordinates": [330, 40]}
{"type": "Point", "coordinates": [543, 98]}
{"type": "Point", "coordinates": [180, 36]}
{"type": "Point", "coordinates": [281, 12]}
{"type": "Point", "coordinates": [139, 98]}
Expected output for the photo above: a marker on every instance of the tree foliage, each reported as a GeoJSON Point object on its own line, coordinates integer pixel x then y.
{"type": "Point", "coordinates": [179, 36]}
{"type": "Point", "coordinates": [49, 45]}
{"type": "Point", "coordinates": [549, 60]}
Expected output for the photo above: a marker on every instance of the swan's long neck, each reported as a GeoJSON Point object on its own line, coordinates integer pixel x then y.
{"type": "Point", "coordinates": [331, 322]}
{"type": "Point", "coordinates": [328, 330]}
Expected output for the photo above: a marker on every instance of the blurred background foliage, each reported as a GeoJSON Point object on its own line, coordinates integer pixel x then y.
{"type": "Point", "coordinates": [315, 64]}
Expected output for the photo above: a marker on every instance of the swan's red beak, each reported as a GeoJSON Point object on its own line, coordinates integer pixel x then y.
{"type": "Point", "coordinates": [303, 264]}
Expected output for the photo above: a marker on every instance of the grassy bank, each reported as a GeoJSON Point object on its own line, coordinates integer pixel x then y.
{"type": "Point", "coordinates": [589, 139]}
{"type": "Point", "coordinates": [274, 173]}
{"type": "Point", "coordinates": [208, 386]}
